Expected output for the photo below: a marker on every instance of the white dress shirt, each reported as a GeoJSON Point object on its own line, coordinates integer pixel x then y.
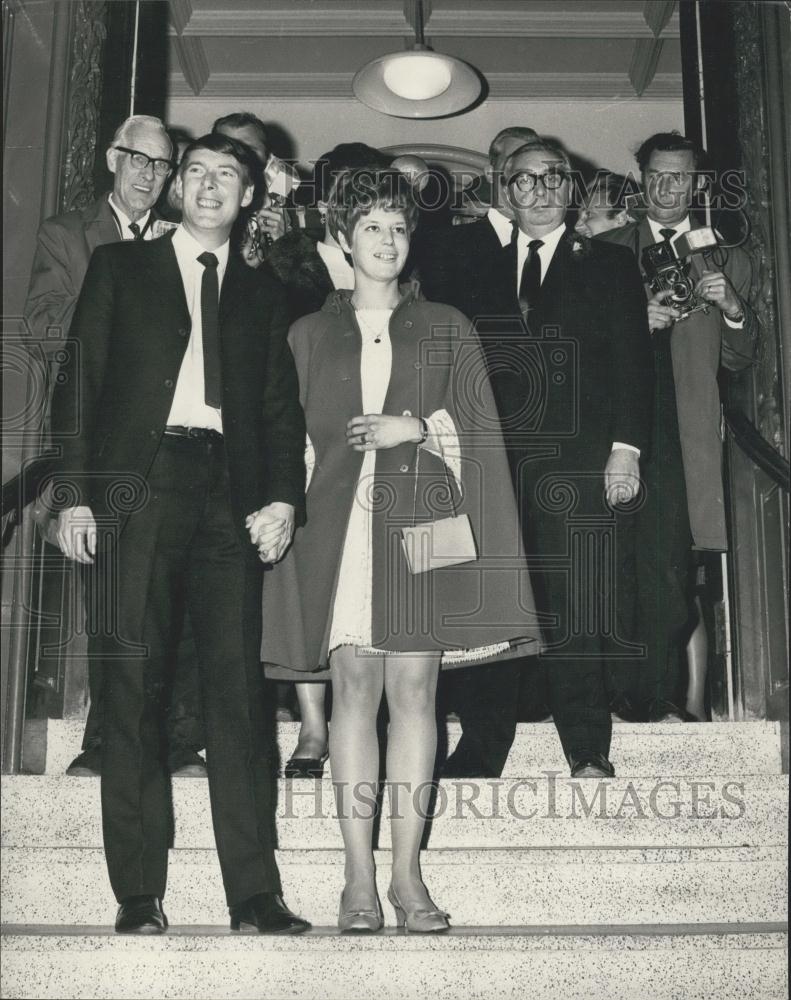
{"type": "Point", "coordinates": [341, 271]}
{"type": "Point", "coordinates": [501, 224]}
{"type": "Point", "coordinates": [189, 408]}
{"type": "Point", "coordinates": [545, 253]}
{"type": "Point", "coordinates": [124, 222]}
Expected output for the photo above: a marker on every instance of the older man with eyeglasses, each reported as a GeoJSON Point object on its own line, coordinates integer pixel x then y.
{"type": "Point", "coordinates": [140, 159]}
{"type": "Point", "coordinates": [563, 327]}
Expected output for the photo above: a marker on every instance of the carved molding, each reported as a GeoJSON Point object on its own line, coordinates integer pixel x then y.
{"type": "Point", "coordinates": [469, 18]}
{"type": "Point", "coordinates": [9, 17]}
{"type": "Point", "coordinates": [753, 139]}
{"type": "Point", "coordinates": [645, 58]}
{"type": "Point", "coordinates": [193, 62]}
{"type": "Point", "coordinates": [85, 80]}
{"type": "Point", "coordinates": [526, 87]}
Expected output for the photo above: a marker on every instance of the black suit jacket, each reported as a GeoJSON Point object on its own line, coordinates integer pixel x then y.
{"type": "Point", "coordinates": [580, 375]}
{"type": "Point", "coordinates": [132, 325]}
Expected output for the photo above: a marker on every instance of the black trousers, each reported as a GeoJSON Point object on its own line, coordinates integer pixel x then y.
{"type": "Point", "coordinates": [182, 703]}
{"type": "Point", "coordinates": [200, 561]}
{"type": "Point", "coordinates": [663, 558]}
{"type": "Point", "coordinates": [574, 587]}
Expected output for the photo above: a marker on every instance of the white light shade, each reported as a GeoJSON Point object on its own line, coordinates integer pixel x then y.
{"type": "Point", "coordinates": [418, 83]}
{"type": "Point", "coordinates": [416, 78]}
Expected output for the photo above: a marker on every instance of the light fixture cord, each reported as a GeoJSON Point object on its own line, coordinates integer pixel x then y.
{"type": "Point", "coordinates": [419, 31]}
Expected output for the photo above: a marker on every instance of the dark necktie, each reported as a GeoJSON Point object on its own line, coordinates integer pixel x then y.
{"type": "Point", "coordinates": [530, 282]}
{"type": "Point", "coordinates": [667, 234]}
{"type": "Point", "coordinates": [136, 230]}
{"type": "Point", "coordinates": [210, 326]}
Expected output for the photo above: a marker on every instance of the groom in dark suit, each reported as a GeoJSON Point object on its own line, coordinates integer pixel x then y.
{"type": "Point", "coordinates": [179, 422]}
{"type": "Point", "coordinates": [562, 323]}
{"type": "Point", "coordinates": [139, 158]}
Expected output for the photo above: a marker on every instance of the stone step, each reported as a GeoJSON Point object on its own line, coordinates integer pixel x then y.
{"type": "Point", "coordinates": [729, 962]}
{"type": "Point", "coordinates": [638, 750]}
{"type": "Point", "coordinates": [43, 811]}
{"type": "Point", "coordinates": [482, 887]}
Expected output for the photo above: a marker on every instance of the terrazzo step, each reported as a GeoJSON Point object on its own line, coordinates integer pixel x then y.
{"type": "Point", "coordinates": [42, 811]}
{"type": "Point", "coordinates": [497, 888]}
{"type": "Point", "coordinates": [560, 963]}
{"type": "Point", "coordinates": [648, 749]}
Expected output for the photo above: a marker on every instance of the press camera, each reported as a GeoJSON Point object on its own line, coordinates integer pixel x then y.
{"type": "Point", "coordinates": [668, 266]}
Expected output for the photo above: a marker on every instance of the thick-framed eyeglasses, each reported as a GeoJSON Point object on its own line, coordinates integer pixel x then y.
{"type": "Point", "coordinates": [140, 161]}
{"type": "Point", "coordinates": [526, 182]}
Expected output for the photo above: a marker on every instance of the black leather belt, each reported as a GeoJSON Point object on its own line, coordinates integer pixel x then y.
{"type": "Point", "coordinates": [197, 433]}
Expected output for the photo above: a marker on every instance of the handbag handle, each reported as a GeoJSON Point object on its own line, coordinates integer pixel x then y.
{"type": "Point", "coordinates": [447, 478]}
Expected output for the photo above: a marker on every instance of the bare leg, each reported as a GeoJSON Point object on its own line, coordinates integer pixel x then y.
{"type": "Point", "coordinates": [697, 664]}
{"type": "Point", "coordinates": [357, 684]}
{"type": "Point", "coordinates": [411, 690]}
{"type": "Point", "coordinates": [312, 740]}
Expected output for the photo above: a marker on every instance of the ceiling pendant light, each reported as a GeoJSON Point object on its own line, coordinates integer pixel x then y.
{"type": "Point", "coordinates": [417, 83]}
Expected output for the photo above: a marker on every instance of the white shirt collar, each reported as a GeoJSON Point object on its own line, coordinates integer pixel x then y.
{"type": "Point", "coordinates": [188, 248]}
{"type": "Point", "coordinates": [341, 271]}
{"type": "Point", "coordinates": [550, 241]}
{"type": "Point", "coordinates": [125, 221]}
{"type": "Point", "coordinates": [680, 227]}
{"type": "Point", "coordinates": [501, 224]}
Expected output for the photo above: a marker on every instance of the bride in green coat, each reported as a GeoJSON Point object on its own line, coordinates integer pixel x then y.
{"type": "Point", "coordinates": [402, 430]}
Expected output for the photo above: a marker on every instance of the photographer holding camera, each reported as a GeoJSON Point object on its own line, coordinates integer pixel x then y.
{"type": "Point", "coordinates": [698, 324]}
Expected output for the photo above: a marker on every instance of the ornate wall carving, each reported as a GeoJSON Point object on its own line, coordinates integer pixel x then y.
{"type": "Point", "coordinates": [89, 30]}
{"type": "Point", "coordinates": [753, 138]}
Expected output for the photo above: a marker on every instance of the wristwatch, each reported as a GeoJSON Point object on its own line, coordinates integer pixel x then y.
{"type": "Point", "coordinates": [423, 430]}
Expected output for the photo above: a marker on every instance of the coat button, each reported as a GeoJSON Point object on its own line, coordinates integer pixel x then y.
{"type": "Point", "coordinates": [404, 468]}
{"type": "Point", "coordinates": [153, 434]}
{"type": "Point", "coordinates": [168, 383]}
{"type": "Point", "coordinates": [409, 324]}
{"type": "Point", "coordinates": [418, 365]}
{"type": "Point", "coordinates": [407, 413]}
{"type": "Point", "coordinates": [183, 331]}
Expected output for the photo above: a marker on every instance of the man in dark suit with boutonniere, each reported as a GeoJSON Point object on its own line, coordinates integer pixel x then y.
{"type": "Point", "coordinates": [188, 425]}
{"type": "Point", "coordinates": [562, 324]}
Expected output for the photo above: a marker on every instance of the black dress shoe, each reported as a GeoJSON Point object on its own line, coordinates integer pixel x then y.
{"type": "Point", "coordinates": [305, 767]}
{"type": "Point", "coordinates": [266, 913]}
{"type": "Point", "coordinates": [141, 915]}
{"type": "Point", "coordinates": [661, 710]}
{"type": "Point", "coordinates": [590, 764]}
{"type": "Point", "coordinates": [466, 762]}
{"type": "Point", "coordinates": [624, 709]}
{"type": "Point", "coordinates": [186, 763]}
{"type": "Point", "coordinates": [88, 764]}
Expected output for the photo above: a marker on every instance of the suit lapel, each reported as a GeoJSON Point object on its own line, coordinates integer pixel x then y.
{"type": "Point", "coordinates": [164, 279]}
{"type": "Point", "coordinates": [100, 227]}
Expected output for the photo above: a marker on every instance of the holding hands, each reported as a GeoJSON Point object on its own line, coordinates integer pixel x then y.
{"type": "Point", "coordinates": [271, 530]}
{"type": "Point", "coordinates": [376, 430]}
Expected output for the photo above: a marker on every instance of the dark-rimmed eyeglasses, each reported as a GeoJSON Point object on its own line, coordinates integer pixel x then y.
{"type": "Point", "coordinates": [140, 161]}
{"type": "Point", "coordinates": [526, 182]}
